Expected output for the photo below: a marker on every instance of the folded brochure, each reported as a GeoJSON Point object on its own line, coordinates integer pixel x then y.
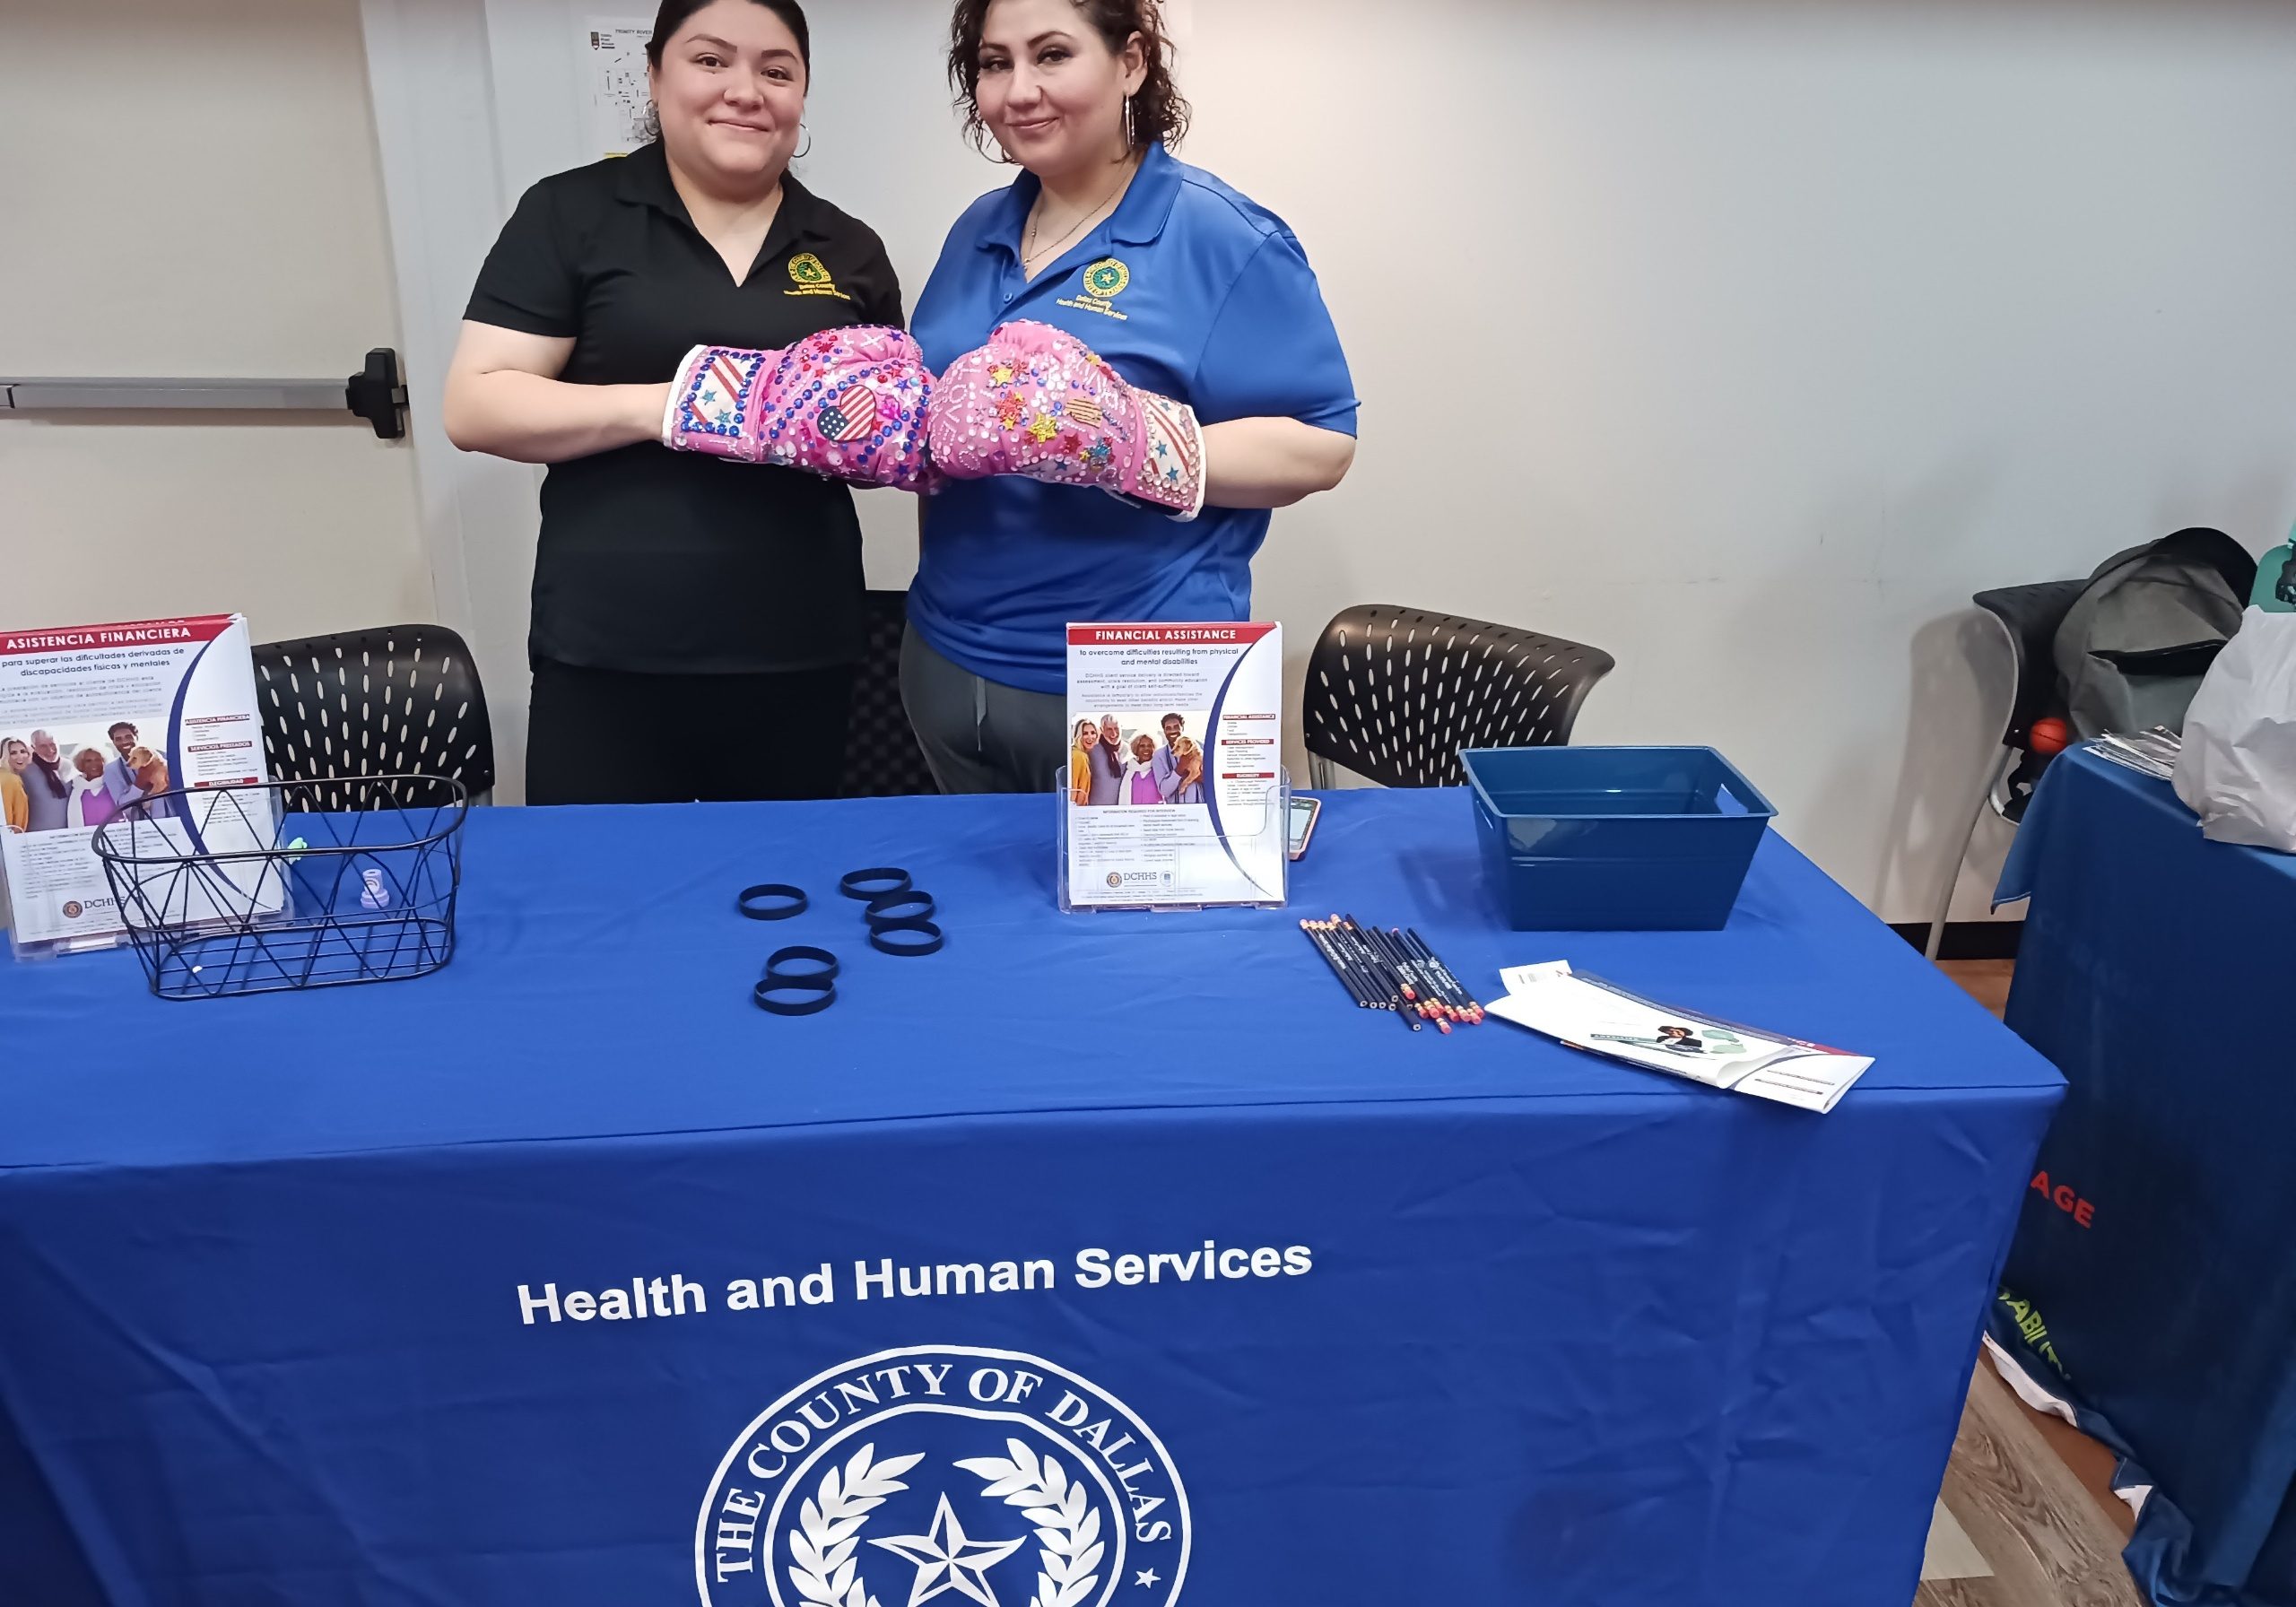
{"type": "Point", "coordinates": [1587, 1012]}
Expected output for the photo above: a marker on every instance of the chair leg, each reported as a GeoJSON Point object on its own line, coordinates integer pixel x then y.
{"type": "Point", "coordinates": [1319, 773]}
{"type": "Point", "coordinates": [1952, 876]}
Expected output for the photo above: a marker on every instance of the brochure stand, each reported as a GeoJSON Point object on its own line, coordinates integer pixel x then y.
{"type": "Point", "coordinates": [1261, 826]}
{"type": "Point", "coordinates": [133, 726]}
{"type": "Point", "coordinates": [1198, 815]}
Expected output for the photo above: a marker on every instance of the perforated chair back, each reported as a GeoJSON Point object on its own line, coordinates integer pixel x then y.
{"type": "Point", "coordinates": [1394, 693]}
{"type": "Point", "coordinates": [882, 757]}
{"type": "Point", "coordinates": [403, 699]}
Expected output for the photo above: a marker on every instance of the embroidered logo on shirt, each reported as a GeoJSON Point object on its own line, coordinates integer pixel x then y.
{"type": "Point", "coordinates": [1107, 279]}
{"type": "Point", "coordinates": [812, 278]}
{"type": "Point", "coordinates": [1104, 281]}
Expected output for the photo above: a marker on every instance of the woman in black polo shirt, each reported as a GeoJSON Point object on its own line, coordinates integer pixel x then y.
{"type": "Point", "coordinates": [680, 602]}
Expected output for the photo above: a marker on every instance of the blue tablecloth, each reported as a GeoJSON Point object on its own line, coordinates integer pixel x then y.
{"type": "Point", "coordinates": [1494, 1323]}
{"type": "Point", "coordinates": [2152, 1265]}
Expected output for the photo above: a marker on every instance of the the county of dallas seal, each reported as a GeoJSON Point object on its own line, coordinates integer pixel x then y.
{"type": "Point", "coordinates": [946, 1474]}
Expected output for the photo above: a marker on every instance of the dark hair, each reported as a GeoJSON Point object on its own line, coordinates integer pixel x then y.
{"type": "Point", "coordinates": [1158, 110]}
{"type": "Point", "coordinates": [120, 726]}
{"type": "Point", "coordinates": [675, 14]}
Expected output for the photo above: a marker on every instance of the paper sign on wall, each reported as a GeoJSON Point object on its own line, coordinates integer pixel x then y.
{"type": "Point", "coordinates": [618, 108]}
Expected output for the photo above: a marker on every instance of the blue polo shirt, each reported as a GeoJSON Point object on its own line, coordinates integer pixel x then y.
{"type": "Point", "coordinates": [1188, 288]}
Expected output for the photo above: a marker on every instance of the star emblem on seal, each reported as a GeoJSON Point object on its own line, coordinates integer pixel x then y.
{"type": "Point", "coordinates": [948, 1559]}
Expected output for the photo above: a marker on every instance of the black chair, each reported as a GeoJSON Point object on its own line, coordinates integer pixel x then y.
{"type": "Point", "coordinates": [882, 757]}
{"type": "Point", "coordinates": [2028, 617]}
{"type": "Point", "coordinates": [1394, 693]}
{"type": "Point", "coordinates": [403, 699]}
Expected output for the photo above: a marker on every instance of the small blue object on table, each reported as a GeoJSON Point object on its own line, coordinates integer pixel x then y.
{"type": "Point", "coordinates": [1117, 1248]}
{"type": "Point", "coordinates": [2151, 1282]}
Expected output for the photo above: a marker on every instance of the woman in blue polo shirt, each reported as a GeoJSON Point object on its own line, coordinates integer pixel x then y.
{"type": "Point", "coordinates": [1187, 290]}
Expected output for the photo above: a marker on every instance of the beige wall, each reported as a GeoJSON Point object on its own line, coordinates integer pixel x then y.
{"type": "Point", "coordinates": [1746, 338]}
{"type": "Point", "coordinates": [189, 188]}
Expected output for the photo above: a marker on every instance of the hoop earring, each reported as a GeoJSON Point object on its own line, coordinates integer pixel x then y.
{"type": "Point", "coordinates": [808, 151]}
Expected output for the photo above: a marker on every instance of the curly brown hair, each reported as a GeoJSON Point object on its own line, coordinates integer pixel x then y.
{"type": "Point", "coordinates": [1159, 112]}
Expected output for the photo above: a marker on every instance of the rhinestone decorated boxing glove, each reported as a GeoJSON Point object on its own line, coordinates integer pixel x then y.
{"type": "Point", "coordinates": [1037, 401]}
{"type": "Point", "coordinates": [846, 403]}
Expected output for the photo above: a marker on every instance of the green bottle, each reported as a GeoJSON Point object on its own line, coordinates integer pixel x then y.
{"type": "Point", "coordinates": [2275, 591]}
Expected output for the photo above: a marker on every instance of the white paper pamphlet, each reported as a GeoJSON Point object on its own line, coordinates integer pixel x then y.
{"type": "Point", "coordinates": [128, 724]}
{"type": "Point", "coordinates": [617, 107]}
{"type": "Point", "coordinates": [1175, 777]}
{"type": "Point", "coordinates": [1587, 1012]}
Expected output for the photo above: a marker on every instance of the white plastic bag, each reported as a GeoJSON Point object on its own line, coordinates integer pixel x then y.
{"type": "Point", "coordinates": [2238, 770]}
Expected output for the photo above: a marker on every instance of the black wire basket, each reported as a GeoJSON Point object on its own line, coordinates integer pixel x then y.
{"type": "Point", "coordinates": [267, 887]}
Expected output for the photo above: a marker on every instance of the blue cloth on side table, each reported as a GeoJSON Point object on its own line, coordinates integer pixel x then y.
{"type": "Point", "coordinates": [1530, 1326]}
{"type": "Point", "coordinates": [2152, 1263]}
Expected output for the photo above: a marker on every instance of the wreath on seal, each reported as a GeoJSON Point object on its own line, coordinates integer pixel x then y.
{"type": "Point", "coordinates": [822, 1567]}
{"type": "Point", "coordinates": [1067, 1527]}
{"type": "Point", "coordinates": [829, 1528]}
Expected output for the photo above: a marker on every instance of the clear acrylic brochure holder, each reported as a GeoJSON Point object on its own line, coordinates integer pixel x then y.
{"type": "Point", "coordinates": [1260, 833]}
{"type": "Point", "coordinates": [78, 869]}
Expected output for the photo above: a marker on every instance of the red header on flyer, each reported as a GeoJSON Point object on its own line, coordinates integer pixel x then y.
{"type": "Point", "coordinates": [1212, 634]}
{"type": "Point", "coordinates": [133, 633]}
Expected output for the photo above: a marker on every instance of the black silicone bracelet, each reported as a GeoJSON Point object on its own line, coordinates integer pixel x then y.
{"type": "Point", "coordinates": [824, 966]}
{"type": "Point", "coordinates": [874, 882]}
{"type": "Point", "coordinates": [820, 995]}
{"type": "Point", "coordinates": [909, 905]}
{"type": "Point", "coordinates": [880, 931]}
{"type": "Point", "coordinates": [794, 901]}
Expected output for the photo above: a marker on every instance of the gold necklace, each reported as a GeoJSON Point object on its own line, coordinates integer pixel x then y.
{"type": "Point", "coordinates": [1028, 249]}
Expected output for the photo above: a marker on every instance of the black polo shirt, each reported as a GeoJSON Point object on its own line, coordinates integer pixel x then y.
{"type": "Point", "coordinates": [667, 562]}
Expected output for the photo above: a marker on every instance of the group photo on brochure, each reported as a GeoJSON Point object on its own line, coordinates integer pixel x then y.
{"type": "Point", "coordinates": [1117, 760]}
{"type": "Point", "coordinates": [82, 778]}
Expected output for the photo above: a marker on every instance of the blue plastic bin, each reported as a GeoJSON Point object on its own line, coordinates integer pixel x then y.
{"type": "Point", "coordinates": [1615, 839]}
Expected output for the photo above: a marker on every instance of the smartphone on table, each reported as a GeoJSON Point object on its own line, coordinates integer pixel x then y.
{"type": "Point", "coordinates": [1302, 825]}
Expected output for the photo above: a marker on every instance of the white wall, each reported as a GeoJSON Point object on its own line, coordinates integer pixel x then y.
{"type": "Point", "coordinates": [1743, 339]}
{"type": "Point", "coordinates": [1800, 323]}
{"type": "Point", "coordinates": [189, 187]}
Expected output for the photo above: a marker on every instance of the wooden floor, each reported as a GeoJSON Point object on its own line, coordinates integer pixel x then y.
{"type": "Point", "coordinates": [1984, 980]}
{"type": "Point", "coordinates": [2028, 1517]}
{"type": "Point", "coordinates": [2042, 1537]}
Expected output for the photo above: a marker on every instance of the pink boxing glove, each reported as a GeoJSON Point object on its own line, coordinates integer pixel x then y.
{"type": "Point", "coordinates": [1037, 401]}
{"type": "Point", "coordinates": [845, 403]}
